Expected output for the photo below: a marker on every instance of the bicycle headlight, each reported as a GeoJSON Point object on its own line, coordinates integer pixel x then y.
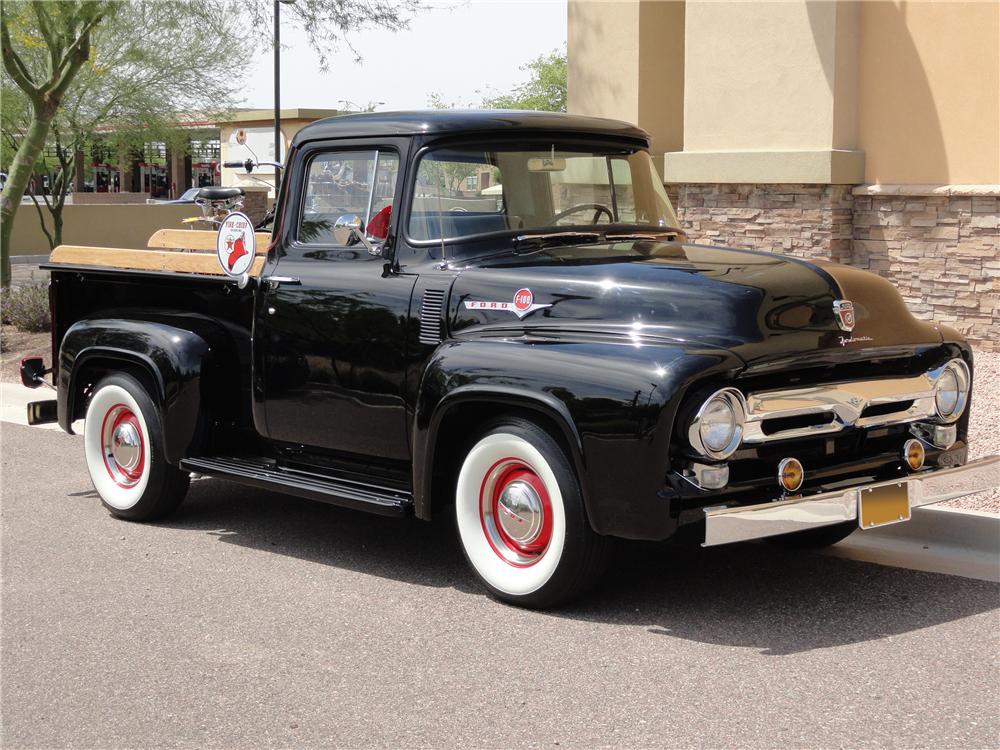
{"type": "Point", "coordinates": [717, 429]}
{"type": "Point", "coordinates": [951, 390]}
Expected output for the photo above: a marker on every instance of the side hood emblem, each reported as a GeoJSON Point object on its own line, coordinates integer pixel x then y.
{"type": "Point", "coordinates": [522, 304]}
{"type": "Point", "coordinates": [843, 311]}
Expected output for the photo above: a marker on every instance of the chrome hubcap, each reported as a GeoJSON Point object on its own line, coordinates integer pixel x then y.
{"type": "Point", "coordinates": [126, 446]}
{"type": "Point", "coordinates": [519, 512]}
{"type": "Point", "coordinates": [122, 446]}
{"type": "Point", "coordinates": [516, 512]}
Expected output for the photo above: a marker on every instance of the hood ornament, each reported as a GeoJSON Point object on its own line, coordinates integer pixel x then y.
{"type": "Point", "coordinates": [843, 311]}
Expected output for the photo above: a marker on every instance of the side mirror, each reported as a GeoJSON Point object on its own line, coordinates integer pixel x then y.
{"type": "Point", "coordinates": [349, 230]}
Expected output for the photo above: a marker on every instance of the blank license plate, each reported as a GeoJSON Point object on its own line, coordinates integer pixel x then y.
{"type": "Point", "coordinates": [882, 505]}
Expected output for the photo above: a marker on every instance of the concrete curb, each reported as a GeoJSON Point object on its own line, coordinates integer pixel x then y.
{"type": "Point", "coordinates": [14, 400]}
{"type": "Point", "coordinates": [936, 539]}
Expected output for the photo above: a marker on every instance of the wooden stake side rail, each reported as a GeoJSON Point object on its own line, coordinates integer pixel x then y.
{"type": "Point", "coordinates": [197, 239]}
{"type": "Point", "coordinates": [146, 260]}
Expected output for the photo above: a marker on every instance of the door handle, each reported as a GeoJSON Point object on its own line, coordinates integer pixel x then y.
{"type": "Point", "coordinates": [273, 282]}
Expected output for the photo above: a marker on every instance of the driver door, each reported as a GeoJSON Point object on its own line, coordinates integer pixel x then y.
{"type": "Point", "coordinates": [331, 331]}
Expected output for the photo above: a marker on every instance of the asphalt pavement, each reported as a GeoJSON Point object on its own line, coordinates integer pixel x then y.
{"type": "Point", "coordinates": [251, 619]}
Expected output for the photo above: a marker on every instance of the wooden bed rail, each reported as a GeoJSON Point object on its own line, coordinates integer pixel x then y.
{"type": "Point", "coordinates": [145, 260]}
{"type": "Point", "coordinates": [197, 239]}
{"type": "Point", "coordinates": [185, 251]}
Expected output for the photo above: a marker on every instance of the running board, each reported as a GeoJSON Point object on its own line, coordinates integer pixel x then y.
{"type": "Point", "coordinates": [265, 474]}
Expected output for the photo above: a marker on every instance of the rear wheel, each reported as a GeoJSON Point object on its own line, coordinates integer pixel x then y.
{"type": "Point", "coordinates": [521, 520]}
{"type": "Point", "coordinates": [123, 441]}
{"type": "Point", "coordinates": [824, 536]}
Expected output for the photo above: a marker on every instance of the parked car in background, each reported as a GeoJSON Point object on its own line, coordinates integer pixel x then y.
{"type": "Point", "coordinates": [548, 366]}
{"type": "Point", "coordinates": [187, 196]}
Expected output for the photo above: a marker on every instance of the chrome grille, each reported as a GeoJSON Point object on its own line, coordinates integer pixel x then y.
{"type": "Point", "coordinates": [826, 409]}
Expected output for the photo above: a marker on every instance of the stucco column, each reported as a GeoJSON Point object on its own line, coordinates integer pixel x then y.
{"type": "Point", "coordinates": [78, 172]}
{"type": "Point", "coordinates": [124, 180]}
{"type": "Point", "coordinates": [770, 94]}
{"type": "Point", "coordinates": [626, 61]}
{"type": "Point", "coordinates": [175, 173]}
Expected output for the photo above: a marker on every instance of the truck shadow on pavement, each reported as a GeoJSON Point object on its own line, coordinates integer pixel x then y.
{"type": "Point", "coordinates": [748, 595]}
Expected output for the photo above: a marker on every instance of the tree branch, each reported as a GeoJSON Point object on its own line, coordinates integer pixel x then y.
{"type": "Point", "coordinates": [41, 220]}
{"type": "Point", "coordinates": [45, 29]}
{"type": "Point", "coordinates": [75, 57]}
{"type": "Point", "coordinates": [13, 64]}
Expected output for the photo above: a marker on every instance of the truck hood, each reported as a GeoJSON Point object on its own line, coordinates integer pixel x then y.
{"type": "Point", "coordinates": [761, 306]}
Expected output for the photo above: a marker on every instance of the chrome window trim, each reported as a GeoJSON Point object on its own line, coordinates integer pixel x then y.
{"type": "Point", "coordinates": [846, 402]}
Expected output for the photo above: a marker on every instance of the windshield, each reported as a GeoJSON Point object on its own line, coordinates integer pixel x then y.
{"type": "Point", "coordinates": [472, 191]}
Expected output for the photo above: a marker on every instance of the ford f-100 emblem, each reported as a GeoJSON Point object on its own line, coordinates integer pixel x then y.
{"type": "Point", "coordinates": [843, 310]}
{"type": "Point", "coordinates": [522, 304]}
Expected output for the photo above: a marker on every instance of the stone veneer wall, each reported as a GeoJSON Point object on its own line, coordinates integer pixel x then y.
{"type": "Point", "coordinates": [255, 204]}
{"type": "Point", "coordinates": [940, 246]}
{"type": "Point", "coordinates": [813, 221]}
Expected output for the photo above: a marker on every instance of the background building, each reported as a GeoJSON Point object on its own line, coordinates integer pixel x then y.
{"type": "Point", "coordinates": [255, 127]}
{"type": "Point", "coordinates": [863, 132]}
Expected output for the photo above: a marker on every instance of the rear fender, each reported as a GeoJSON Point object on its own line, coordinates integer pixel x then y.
{"type": "Point", "coordinates": [170, 360]}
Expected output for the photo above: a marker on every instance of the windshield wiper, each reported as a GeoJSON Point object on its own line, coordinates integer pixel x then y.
{"type": "Point", "coordinates": [542, 239]}
{"type": "Point", "coordinates": [645, 235]}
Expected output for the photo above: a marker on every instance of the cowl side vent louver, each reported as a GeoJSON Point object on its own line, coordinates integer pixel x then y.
{"type": "Point", "coordinates": [430, 316]}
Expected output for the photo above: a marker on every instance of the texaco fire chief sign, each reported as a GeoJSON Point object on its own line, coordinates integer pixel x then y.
{"type": "Point", "coordinates": [236, 244]}
{"type": "Point", "coordinates": [522, 304]}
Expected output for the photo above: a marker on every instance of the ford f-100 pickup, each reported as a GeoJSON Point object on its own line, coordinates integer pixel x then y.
{"type": "Point", "coordinates": [494, 319]}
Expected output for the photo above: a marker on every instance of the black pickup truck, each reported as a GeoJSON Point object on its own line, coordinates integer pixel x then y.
{"type": "Point", "coordinates": [493, 319]}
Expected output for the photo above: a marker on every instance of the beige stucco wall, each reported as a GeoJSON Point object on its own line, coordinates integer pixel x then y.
{"type": "Point", "coordinates": [627, 63]}
{"type": "Point", "coordinates": [759, 76]}
{"type": "Point", "coordinates": [929, 92]}
{"type": "Point", "coordinates": [879, 91]}
{"type": "Point", "coordinates": [99, 226]}
{"type": "Point", "coordinates": [770, 92]}
{"type": "Point", "coordinates": [239, 178]}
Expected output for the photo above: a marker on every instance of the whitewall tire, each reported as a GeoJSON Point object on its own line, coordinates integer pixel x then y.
{"type": "Point", "coordinates": [123, 443]}
{"type": "Point", "coordinates": [520, 518]}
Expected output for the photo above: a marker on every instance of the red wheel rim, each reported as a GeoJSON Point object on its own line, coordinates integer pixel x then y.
{"type": "Point", "coordinates": [516, 512]}
{"type": "Point", "coordinates": [123, 446]}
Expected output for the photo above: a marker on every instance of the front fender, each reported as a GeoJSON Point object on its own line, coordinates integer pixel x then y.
{"type": "Point", "coordinates": [614, 404]}
{"type": "Point", "coordinates": [173, 358]}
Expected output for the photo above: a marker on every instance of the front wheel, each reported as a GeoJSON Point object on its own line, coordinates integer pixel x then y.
{"type": "Point", "coordinates": [123, 441]}
{"type": "Point", "coordinates": [521, 520]}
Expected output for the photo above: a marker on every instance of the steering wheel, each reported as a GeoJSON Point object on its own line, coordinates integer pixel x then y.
{"type": "Point", "coordinates": [597, 208]}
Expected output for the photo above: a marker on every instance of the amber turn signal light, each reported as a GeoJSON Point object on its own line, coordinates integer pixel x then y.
{"type": "Point", "coordinates": [790, 474]}
{"type": "Point", "coordinates": [913, 454]}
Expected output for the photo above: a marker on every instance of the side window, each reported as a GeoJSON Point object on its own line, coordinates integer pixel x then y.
{"type": "Point", "coordinates": [346, 183]}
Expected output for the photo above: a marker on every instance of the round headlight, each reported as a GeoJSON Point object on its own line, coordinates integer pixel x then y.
{"type": "Point", "coordinates": [717, 429]}
{"type": "Point", "coordinates": [718, 425]}
{"type": "Point", "coordinates": [951, 390]}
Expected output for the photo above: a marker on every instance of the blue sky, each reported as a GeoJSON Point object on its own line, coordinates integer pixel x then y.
{"type": "Point", "coordinates": [453, 50]}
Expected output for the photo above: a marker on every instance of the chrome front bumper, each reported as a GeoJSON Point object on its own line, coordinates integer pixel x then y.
{"type": "Point", "coordinates": [725, 525]}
